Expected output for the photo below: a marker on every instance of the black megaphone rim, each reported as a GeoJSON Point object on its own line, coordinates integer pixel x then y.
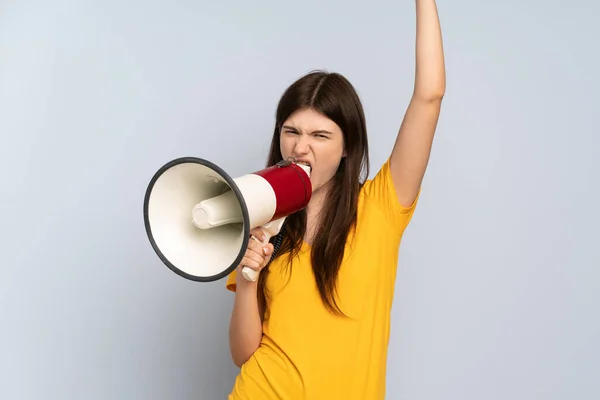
{"type": "Point", "coordinates": [234, 188]}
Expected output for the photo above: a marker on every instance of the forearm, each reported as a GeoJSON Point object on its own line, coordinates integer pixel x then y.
{"type": "Point", "coordinates": [430, 75]}
{"type": "Point", "coordinates": [245, 328]}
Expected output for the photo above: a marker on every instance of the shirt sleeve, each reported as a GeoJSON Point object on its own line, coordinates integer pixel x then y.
{"type": "Point", "coordinates": [381, 193]}
{"type": "Point", "coordinates": [230, 284]}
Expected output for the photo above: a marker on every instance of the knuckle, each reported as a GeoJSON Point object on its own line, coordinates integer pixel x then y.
{"type": "Point", "coordinates": [254, 256]}
{"type": "Point", "coordinates": [255, 262]}
{"type": "Point", "coordinates": [254, 245]}
{"type": "Point", "coordinates": [257, 233]}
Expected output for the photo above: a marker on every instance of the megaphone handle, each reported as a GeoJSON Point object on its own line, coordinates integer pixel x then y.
{"type": "Point", "coordinates": [270, 229]}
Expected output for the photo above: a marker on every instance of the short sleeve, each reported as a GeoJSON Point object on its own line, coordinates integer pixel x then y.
{"type": "Point", "coordinates": [230, 284]}
{"type": "Point", "coordinates": [380, 192]}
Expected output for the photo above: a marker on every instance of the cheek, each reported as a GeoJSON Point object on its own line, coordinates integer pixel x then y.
{"type": "Point", "coordinates": [328, 161]}
{"type": "Point", "coordinates": [285, 147]}
{"type": "Point", "coordinates": [331, 154]}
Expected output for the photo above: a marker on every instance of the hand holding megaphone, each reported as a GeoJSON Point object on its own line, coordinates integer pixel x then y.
{"type": "Point", "coordinates": [198, 219]}
{"type": "Point", "coordinates": [269, 230]}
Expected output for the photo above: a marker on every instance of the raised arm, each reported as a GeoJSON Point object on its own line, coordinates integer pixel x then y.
{"type": "Point", "coordinates": [412, 148]}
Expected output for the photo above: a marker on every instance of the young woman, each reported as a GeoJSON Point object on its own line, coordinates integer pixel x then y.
{"type": "Point", "coordinates": [316, 323]}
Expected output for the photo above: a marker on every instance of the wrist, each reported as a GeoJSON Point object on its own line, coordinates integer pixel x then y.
{"type": "Point", "coordinates": [246, 292]}
{"type": "Point", "coordinates": [244, 285]}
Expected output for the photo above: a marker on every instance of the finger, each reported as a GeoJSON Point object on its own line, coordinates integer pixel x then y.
{"type": "Point", "coordinates": [268, 250]}
{"type": "Point", "coordinates": [259, 234]}
{"type": "Point", "coordinates": [268, 253]}
{"type": "Point", "coordinates": [250, 263]}
{"type": "Point", "coordinates": [259, 248]}
{"type": "Point", "coordinates": [255, 245]}
{"type": "Point", "coordinates": [269, 247]}
{"type": "Point", "coordinates": [250, 255]}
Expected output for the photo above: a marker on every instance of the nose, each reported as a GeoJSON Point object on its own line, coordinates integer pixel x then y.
{"type": "Point", "coordinates": [302, 145]}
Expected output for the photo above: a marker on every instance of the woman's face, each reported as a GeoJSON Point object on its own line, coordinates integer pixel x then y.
{"type": "Point", "coordinates": [312, 138]}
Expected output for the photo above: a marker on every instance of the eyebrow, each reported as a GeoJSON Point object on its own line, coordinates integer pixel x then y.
{"type": "Point", "coordinates": [317, 131]}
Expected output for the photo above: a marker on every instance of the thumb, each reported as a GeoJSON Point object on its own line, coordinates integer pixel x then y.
{"type": "Point", "coordinates": [268, 249]}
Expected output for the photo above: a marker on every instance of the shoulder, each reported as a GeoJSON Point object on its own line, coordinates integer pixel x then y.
{"type": "Point", "coordinates": [378, 200]}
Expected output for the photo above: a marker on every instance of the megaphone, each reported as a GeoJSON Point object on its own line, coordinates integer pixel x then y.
{"type": "Point", "coordinates": [198, 218]}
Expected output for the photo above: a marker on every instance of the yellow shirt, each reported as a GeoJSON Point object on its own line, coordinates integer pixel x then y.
{"type": "Point", "coordinates": [306, 352]}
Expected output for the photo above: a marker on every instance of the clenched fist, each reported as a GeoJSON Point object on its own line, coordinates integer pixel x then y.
{"type": "Point", "coordinates": [257, 256]}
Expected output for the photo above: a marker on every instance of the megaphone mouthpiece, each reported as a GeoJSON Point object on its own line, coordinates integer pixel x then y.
{"type": "Point", "coordinates": [217, 211]}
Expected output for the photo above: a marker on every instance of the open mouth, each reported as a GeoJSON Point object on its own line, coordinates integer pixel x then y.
{"type": "Point", "coordinates": [304, 165]}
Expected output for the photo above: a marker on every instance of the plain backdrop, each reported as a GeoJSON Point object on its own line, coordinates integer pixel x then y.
{"type": "Point", "coordinates": [498, 289]}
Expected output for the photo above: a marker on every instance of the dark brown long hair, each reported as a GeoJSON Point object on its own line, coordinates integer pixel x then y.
{"type": "Point", "coordinates": [332, 95]}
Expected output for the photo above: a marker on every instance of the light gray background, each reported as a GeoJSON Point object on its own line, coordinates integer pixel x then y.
{"type": "Point", "coordinates": [498, 283]}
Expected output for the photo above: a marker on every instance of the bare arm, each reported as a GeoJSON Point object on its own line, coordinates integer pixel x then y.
{"type": "Point", "coordinates": [245, 327]}
{"type": "Point", "coordinates": [412, 148]}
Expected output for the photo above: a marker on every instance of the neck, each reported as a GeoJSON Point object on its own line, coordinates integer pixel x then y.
{"type": "Point", "coordinates": [313, 209]}
{"type": "Point", "coordinates": [317, 200]}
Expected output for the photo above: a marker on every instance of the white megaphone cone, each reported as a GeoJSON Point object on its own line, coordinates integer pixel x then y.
{"type": "Point", "coordinates": [198, 219]}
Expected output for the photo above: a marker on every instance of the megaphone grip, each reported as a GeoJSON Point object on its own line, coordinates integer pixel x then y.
{"type": "Point", "coordinates": [248, 273]}
{"type": "Point", "coordinates": [270, 229]}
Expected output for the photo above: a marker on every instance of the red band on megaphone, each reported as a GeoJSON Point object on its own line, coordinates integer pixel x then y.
{"type": "Point", "coordinates": [292, 188]}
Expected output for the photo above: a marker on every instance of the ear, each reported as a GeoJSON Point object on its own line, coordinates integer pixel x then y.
{"type": "Point", "coordinates": [344, 154]}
